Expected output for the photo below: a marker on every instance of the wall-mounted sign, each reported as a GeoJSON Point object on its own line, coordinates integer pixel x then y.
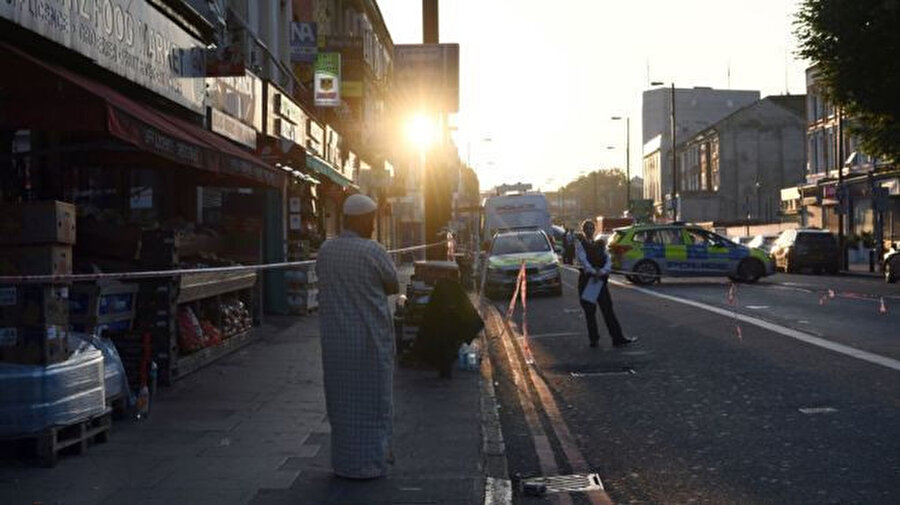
{"type": "Point", "coordinates": [294, 204]}
{"type": "Point", "coordinates": [286, 119]}
{"type": "Point", "coordinates": [231, 128]}
{"type": "Point", "coordinates": [352, 89]}
{"type": "Point", "coordinates": [327, 80]}
{"type": "Point", "coordinates": [428, 74]}
{"type": "Point", "coordinates": [128, 37]}
{"type": "Point", "coordinates": [286, 130]}
{"type": "Point", "coordinates": [287, 109]}
{"type": "Point", "coordinates": [296, 222]}
{"type": "Point", "coordinates": [316, 137]}
{"type": "Point", "coordinates": [239, 97]}
{"type": "Point", "coordinates": [303, 42]}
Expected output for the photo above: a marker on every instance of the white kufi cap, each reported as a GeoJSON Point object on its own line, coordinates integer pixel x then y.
{"type": "Point", "coordinates": [359, 205]}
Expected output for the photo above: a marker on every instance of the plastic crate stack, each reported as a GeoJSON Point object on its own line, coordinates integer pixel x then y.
{"type": "Point", "coordinates": [302, 290]}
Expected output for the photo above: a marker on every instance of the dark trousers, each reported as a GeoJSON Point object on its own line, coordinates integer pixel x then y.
{"type": "Point", "coordinates": [604, 301]}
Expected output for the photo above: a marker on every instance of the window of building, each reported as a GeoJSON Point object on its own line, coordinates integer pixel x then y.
{"type": "Point", "coordinates": [714, 164]}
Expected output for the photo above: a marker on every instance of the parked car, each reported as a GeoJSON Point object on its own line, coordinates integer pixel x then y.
{"type": "Point", "coordinates": [679, 250]}
{"type": "Point", "coordinates": [795, 250]}
{"type": "Point", "coordinates": [892, 264]}
{"type": "Point", "coordinates": [763, 242]}
{"type": "Point", "coordinates": [507, 252]}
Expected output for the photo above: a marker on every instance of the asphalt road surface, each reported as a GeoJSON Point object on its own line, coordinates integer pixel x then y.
{"type": "Point", "coordinates": [787, 391]}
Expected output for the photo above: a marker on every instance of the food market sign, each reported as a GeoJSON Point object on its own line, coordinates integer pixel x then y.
{"type": "Point", "coordinates": [128, 37]}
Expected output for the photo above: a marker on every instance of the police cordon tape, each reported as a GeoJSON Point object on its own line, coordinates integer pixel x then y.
{"type": "Point", "coordinates": [152, 274]}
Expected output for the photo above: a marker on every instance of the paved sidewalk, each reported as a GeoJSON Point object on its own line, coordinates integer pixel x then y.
{"type": "Point", "coordinates": [251, 428]}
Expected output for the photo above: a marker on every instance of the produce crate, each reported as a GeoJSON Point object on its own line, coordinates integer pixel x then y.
{"type": "Point", "coordinates": [34, 345]}
{"type": "Point", "coordinates": [99, 307]}
{"type": "Point", "coordinates": [34, 305]}
{"type": "Point", "coordinates": [53, 259]}
{"type": "Point", "coordinates": [31, 223]}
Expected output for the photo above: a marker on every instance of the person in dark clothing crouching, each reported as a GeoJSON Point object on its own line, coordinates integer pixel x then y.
{"type": "Point", "coordinates": [594, 263]}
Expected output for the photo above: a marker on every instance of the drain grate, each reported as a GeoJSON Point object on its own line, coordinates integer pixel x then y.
{"type": "Point", "coordinates": [605, 373]}
{"type": "Point", "coordinates": [576, 483]}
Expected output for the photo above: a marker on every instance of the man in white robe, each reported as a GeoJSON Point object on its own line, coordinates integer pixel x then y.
{"type": "Point", "coordinates": [356, 276]}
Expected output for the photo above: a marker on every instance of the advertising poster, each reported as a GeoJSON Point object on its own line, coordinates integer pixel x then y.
{"type": "Point", "coordinates": [327, 80]}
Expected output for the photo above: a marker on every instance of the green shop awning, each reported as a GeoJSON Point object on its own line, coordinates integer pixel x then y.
{"type": "Point", "coordinates": [322, 167]}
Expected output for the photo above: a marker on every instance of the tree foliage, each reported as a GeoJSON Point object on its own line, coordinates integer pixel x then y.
{"type": "Point", "coordinates": [855, 45]}
{"type": "Point", "coordinates": [599, 193]}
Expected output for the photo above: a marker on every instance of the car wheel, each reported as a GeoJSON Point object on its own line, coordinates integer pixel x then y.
{"type": "Point", "coordinates": [647, 271]}
{"type": "Point", "coordinates": [890, 275]}
{"type": "Point", "coordinates": [750, 270]}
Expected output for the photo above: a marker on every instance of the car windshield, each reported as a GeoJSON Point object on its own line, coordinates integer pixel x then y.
{"type": "Point", "coordinates": [515, 243]}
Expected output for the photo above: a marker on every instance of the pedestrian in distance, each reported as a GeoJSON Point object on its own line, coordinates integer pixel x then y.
{"type": "Point", "coordinates": [356, 276]}
{"type": "Point", "coordinates": [569, 247]}
{"type": "Point", "coordinates": [595, 265]}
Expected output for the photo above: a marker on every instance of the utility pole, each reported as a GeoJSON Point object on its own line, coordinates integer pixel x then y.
{"type": "Point", "coordinates": [438, 192]}
{"type": "Point", "coordinates": [843, 204]}
{"type": "Point", "coordinates": [674, 162]}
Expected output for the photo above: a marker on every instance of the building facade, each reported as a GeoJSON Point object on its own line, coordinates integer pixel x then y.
{"type": "Point", "coordinates": [734, 170]}
{"type": "Point", "coordinates": [868, 198]}
{"type": "Point", "coordinates": [695, 109]}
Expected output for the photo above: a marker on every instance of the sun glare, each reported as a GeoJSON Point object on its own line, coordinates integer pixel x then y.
{"type": "Point", "coordinates": [421, 131]}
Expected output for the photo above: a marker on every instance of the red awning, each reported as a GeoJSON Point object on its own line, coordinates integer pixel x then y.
{"type": "Point", "coordinates": [153, 131]}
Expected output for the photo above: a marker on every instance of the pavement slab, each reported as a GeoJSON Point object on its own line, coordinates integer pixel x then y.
{"type": "Point", "coordinates": [252, 428]}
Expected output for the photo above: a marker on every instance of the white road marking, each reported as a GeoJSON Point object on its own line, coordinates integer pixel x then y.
{"type": "Point", "coordinates": [846, 350]}
{"type": "Point", "coordinates": [818, 410]}
{"type": "Point", "coordinates": [757, 307]}
{"type": "Point", "coordinates": [550, 335]}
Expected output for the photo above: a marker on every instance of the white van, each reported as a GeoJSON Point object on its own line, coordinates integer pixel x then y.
{"type": "Point", "coordinates": [525, 210]}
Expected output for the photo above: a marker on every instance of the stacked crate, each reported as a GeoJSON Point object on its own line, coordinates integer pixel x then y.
{"type": "Point", "coordinates": [158, 299]}
{"type": "Point", "coordinates": [302, 290]}
{"type": "Point", "coordinates": [99, 307]}
{"type": "Point", "coordinates": [35, 239]}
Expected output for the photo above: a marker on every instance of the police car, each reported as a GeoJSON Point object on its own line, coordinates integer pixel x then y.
{"type": "Point", "coordinates": [677, 249]}
{"type": "Point", "coordinates": [508, 250]}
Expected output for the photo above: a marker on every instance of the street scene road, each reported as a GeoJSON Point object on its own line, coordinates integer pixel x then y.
{"type": "Point", "coordinates": [353, 252]}
{"type": "Point", "coordinates": [706, 408]}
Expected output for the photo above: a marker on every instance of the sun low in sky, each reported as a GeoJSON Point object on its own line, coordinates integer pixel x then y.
{"type": "Point", "coordinates": [543, 79]}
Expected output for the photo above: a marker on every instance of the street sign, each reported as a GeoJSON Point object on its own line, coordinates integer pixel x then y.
{"type": "Point", "coordinates": [428, 74]}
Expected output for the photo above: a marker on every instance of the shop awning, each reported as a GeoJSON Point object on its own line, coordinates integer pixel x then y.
{"type": "Point", "coordinates": [321, 166]}
{"type": "Point", "coordinates": [153, 131]}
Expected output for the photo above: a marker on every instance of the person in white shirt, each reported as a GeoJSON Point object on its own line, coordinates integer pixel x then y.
{"type": "Point", "coordinates": [595, 264]}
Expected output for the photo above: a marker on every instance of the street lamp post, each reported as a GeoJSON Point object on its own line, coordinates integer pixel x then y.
{"type": "Point", "coordinates": [674, 159]}
{"type": "Point", "coordinates": [627, 160]}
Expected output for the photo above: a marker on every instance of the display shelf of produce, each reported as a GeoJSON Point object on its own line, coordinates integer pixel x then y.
{"type": "Point", "coordinates": [196, 360]}
{"type": "Point", "coordinates": [193, 287]}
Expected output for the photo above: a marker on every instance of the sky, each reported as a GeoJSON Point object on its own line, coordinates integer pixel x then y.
{"type": "Point", "coordinates": [541, 79]}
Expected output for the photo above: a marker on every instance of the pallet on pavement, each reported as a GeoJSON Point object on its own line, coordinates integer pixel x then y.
{"type": "Point", "coordinates": [75, 438]}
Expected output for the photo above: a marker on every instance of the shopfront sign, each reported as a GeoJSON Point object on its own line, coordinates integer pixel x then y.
{"type": "Point", "coordinates": [240, 97]}
{"type": "Point", "coordinates": [231, 128]}
{"type": "Point", "coordinates": [327, 80]}
{"type": "Point", "coordinates": [303, 42]}
{"type": "Point", "coordinates": [332, 146]}
{"type": "Point", "coordinates": [128, 37]}
{"type": "Point", "coordinates": [316, 138]}
{"type": "Point", "coordinates": [286, 120]}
